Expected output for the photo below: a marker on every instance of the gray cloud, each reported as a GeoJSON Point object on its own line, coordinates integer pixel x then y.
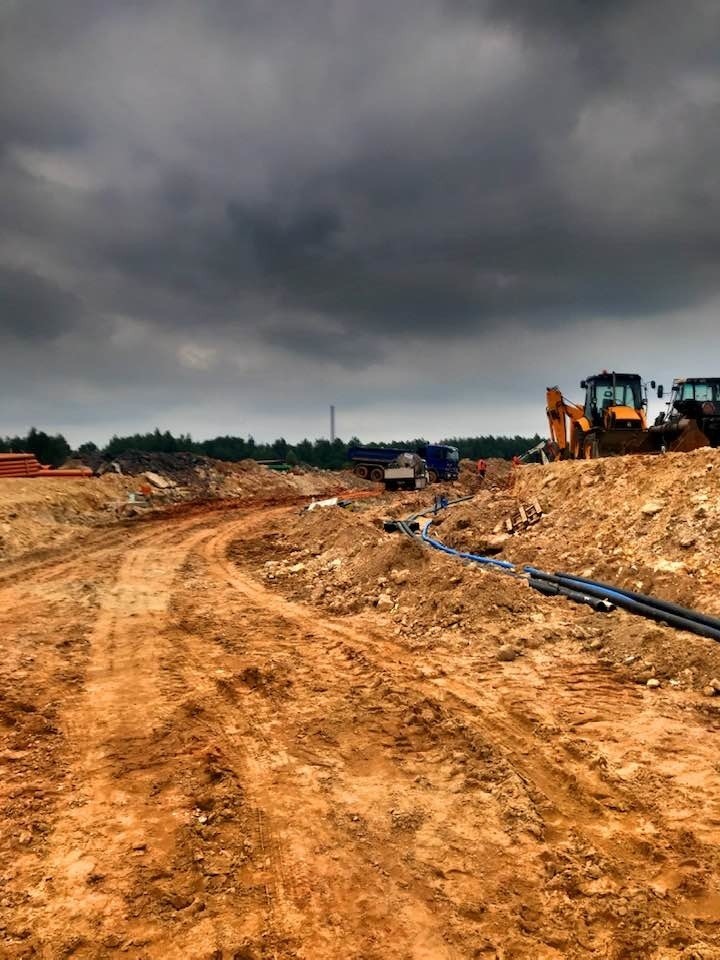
{"type": "Point", "coordinates": [34, 308]}
{"type": "Point", "coordinates": [316, 185]}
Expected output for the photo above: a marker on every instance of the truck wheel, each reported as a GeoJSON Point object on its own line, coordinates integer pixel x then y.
{"type": "Point", "coordinates": [377, 474]}
{"type": "Point", "coordinates": [432, 476]}
{"type": "Point", "coordinates": [361, 471]}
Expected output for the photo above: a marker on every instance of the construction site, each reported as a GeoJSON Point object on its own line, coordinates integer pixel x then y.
{"type": "Point", "coordinates": [359, 480]}
{"type": "Point", "coordinates": [251, 714]}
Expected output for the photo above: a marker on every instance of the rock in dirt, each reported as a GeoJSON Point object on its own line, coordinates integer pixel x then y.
{"type": "Point", "coordinates": [506, 653]}
{"type": "Point", "coordinates": [653, 683]}
{"type": "Point", "coordinates": [494, 543]}
{"type": "Point", "coordinates": [384, 602]}
{"type": "Point", "coordinates": [651, 507]}
{"type": "Point", "coordinates": [709, 691]}
{"type": "Point", "coordinates": [162, 483]}
{"type": "Point", "coordinates": [400, 577]}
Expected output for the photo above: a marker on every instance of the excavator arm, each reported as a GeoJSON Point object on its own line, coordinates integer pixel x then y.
{"type": "Point", "coordinates": [559, 411]}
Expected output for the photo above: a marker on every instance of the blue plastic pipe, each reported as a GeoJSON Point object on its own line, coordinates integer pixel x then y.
{"type": "Point", "coordinates": [476, 558]}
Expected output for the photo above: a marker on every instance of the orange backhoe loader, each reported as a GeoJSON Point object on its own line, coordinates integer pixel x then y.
{"type": "Point", "coordinates": [612, 420]}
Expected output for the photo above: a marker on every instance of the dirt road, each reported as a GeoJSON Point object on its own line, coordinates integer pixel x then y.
{"type": "Point", "coordinates": [195, 766]}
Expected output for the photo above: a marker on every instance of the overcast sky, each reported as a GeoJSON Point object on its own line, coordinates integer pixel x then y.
{"type": "Point", "coordinates": [223, 216]}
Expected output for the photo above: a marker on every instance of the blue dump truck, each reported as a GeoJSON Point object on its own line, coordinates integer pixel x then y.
{"type": "Point", "coordinates": [370, 462]}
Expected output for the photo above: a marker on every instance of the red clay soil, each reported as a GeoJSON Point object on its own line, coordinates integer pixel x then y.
{"type": "Point", "coordinates": [266, 733]}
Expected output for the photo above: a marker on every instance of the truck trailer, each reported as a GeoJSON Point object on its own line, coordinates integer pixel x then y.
{"type": "Point", "coordinates": [370, 462]}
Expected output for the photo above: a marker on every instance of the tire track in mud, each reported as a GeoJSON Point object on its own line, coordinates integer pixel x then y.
{"type": "Point", "coordinates": [88, 857]}
{"type": "Point", "coordinates": [576, 795]}
{"type": "Point", "coordinates": [505, 734]}
{"type": "Point", "coordinates": [296, 786]}
{"type": "Point", "coordinates": [280, 791]}
{"type": "Point", "coordinates": [107, 814]}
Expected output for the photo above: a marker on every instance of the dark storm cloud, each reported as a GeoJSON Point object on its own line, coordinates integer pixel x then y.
{"type": "Point", "coordinates": [34, 308]}
{"type": "Point", "coordinates": [556, 16]}
{"type": "Point", "coordinates": [278, 246]}
{"type": "Point", "coordinates": [332, 178]}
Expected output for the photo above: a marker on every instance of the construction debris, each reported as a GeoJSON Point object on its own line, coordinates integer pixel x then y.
{"type": "Point", "coordinates": [134, 463]}
{"type": "Point", "coordinates": [524, 517]}
{"type": "Point", "coordinates": [329, 502]}
{"type": "Point", "coordinates": [157, 480]}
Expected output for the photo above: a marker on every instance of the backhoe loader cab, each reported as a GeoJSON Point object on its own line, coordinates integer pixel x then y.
{"type": "Point", "coordinates": [614, 399]}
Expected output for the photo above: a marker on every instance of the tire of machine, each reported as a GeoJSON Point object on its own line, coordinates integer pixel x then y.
{"type": "Point", "coordinates": [377, 474]}
{"type": "Point", "coordinates": [361, 471]}
{"type": "Point", "coordinates": [432, 476]}
{"type": "Point", "coordinates": [591, 448]}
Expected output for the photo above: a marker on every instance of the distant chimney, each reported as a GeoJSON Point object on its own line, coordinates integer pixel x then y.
{"type": "Point", "coordinates": [332, 423]}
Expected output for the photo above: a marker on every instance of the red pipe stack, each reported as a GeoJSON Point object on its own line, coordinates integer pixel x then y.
{"type": "Point", "coordinates": [27, 465]}
{"type": "Point", "coordinates": [19, 465]}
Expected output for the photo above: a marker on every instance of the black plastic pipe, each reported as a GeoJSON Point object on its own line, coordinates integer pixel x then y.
{"type": "Point", "coordinates": [633, 606]}
{"type": "Point", "coordinates": [600, 596]}
{"type": "Point", "coordinates": [666, 605]}
{"type": "Point", "coordinates": [555, 590]}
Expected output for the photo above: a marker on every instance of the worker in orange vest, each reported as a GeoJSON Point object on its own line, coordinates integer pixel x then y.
{"type": "Point", "coordinates": [481, 470]}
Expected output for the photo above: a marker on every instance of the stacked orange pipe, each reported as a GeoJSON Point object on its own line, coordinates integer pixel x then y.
{"type": "Point", "coordinates": [18, 465]}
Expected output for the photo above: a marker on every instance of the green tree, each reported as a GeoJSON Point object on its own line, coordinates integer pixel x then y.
{"type": "Point", "coordinates": [53, 450]}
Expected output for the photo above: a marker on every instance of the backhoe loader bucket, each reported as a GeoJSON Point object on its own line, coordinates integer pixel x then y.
{"type": "Point", "coordinates": [613, 443]}
{"type": "Point", "coordinates": [691, 438]}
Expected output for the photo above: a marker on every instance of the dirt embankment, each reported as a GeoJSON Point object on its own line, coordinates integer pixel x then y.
{"type": "Point", "coordinates": [36, 514]}
{"type": "Point", "coordinates": [648, 524]}
{"type": "Point", "coordinates": [267, 734]}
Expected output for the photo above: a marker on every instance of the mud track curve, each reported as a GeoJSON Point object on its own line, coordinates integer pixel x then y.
{"type": "Point", "coordinates": [197, 767]}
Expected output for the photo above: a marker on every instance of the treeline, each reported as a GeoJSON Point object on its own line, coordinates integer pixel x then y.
{"type": "Point", "coordinates": [504, 448]}
{"type": "Point", "coordinates": [317, 453]}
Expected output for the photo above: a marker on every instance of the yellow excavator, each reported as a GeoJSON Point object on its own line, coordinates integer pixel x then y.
{"type": "Point", "coordinates": [612, 420]}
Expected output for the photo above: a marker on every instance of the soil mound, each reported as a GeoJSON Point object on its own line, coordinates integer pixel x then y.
{"type": "Point", "coordinates": [644, 523]}
{"type": "Point", "coordinates": [35, 516]}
